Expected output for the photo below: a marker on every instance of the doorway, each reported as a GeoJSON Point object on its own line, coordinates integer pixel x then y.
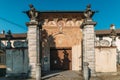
{"type": "Point", "coordinates": [60, 59]}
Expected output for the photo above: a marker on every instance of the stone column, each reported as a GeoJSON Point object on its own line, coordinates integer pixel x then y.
{"type": "Point", "coordinates": [88, 40]}
{"type": "Point", "coordinates": [89, 44]}
{"type": "Point", "coordinates": [32, 47]}
{"type": "Point", "coordinates": [34, 43]}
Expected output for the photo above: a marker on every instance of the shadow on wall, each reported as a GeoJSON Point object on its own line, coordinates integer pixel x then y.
{"type": "Point", "coordinates": [52, 57]}
{"type": "Point", "coordinates": [59, 56]}
{"type": "Point", "coordinates": [65, 61]}
{"type": "Point", "coordinates": [59, 59]}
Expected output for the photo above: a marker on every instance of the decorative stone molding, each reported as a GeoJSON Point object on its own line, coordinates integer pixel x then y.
{"type": "Point", "coordinates": [64, 21]}
{"type": "Point", "coordinates": [18, 44]}
{"type": "Point", "coordinates": [97, 43]}
{"type": "Point", "coordinates": [102, 43]}
{"type": "Point", "coordinates": [32, 23]}
{"type": "Point", "coordinates": [88, 22]}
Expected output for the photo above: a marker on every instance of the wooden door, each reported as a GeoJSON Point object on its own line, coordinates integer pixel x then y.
{"type": "Point", "coordinates": [60, 59]}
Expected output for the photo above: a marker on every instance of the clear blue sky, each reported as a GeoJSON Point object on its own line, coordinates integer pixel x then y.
{"type": "Point", "coordinates": [11, 16]}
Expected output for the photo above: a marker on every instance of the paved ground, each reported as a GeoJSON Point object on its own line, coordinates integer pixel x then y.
{"type": "Point", "coordinates": [71, 75]}
{"type": "Point", "coordinates": [108, 77]}
{"type": "Point", "coordinates": [3, 78]}
{"type": "Point", "coordinates": [64, 75]}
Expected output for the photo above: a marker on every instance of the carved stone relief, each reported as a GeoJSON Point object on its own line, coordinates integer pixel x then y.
{"type": "Point", "coordinates": [102, 43]}
{"type": "Point", "coordinates": [18, 44]}
{"type": "Point", "coordinates": [97, 43]}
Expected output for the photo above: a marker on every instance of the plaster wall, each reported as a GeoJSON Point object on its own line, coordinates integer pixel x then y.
{"type": "Point", "coordinates": [69, 35]}
{"type": "Point", "coordinates": [16, 61]}
{"type": "Point", "coordinates": [105, 59]}
{"type": "Point", "coordinates": [109, 39]}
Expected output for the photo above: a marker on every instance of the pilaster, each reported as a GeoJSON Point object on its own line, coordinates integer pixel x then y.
{"type": "Point", "coordinates": [89, 44]}
{"type": "Point", "coordinates": [32, 47]}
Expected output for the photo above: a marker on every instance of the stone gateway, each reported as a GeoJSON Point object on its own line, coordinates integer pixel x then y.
{"type": "Point", "coordinates": [59, 41]}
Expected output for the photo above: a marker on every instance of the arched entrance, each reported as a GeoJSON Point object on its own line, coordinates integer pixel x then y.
{"type": "Point", "coordinates": [60, 52]}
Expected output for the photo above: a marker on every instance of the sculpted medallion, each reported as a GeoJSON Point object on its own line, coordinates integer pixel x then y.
{"type": "Point", "coordinates": [104, 43]}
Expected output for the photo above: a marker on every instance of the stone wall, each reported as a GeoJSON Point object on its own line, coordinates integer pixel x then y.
{"type": "Point", "coordinates": [107, 42]}
{"type": "Point", "coordinates": [89, 45]}
{"type": "Point", "coordinates": [16, 62]}
{"type": "Point", "coordinates": [32, 47]}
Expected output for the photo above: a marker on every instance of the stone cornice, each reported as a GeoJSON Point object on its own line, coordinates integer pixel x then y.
{"type": "Point", "coordinates": [32, 23]}
{"type": "Point", "coordinates": [105, 46]}
{"type": "Point", "coordinates": [55, 27]}
{"type": "Point", "coordinates": [58, 15]}
{"type": "Point", "coordinates": [88, 22]}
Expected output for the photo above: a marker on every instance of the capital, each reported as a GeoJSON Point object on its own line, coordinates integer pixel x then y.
{"type": "Point", "coordinates": [32, 23]}
{"type": "Point", "coordinates": [88, 22]}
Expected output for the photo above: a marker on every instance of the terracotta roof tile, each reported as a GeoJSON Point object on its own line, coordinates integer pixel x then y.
{"type": "Point", "coordinates": [24, 35]}
{"type": "Point", "coordinates": [14, 36]}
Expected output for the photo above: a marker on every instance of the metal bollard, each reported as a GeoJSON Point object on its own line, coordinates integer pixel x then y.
{"type": "Point", "coordinates": [86, 71]}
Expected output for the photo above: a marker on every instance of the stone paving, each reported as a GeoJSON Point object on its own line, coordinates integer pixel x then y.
{"type": "Point", "coordinates": [71, 75]}
{"type": "Point", "coordinates": [108, 77]}
{"type": "Point", "coordinates": [64, 75]}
